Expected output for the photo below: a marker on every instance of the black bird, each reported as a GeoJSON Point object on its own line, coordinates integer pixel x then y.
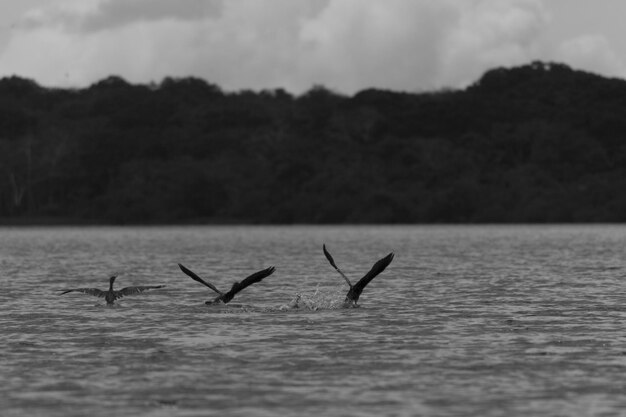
{"type": "Point", "coordinates": [355, 290]}
{"type": "Point", "coordinates": [237, 286]}
{"type": "Point", "coordinates": [111, 295]}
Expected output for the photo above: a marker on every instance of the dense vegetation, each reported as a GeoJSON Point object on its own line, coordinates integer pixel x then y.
{"type": "Point", "coordinates": [537, 143]}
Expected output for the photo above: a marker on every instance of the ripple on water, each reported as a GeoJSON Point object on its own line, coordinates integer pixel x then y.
{"type": "Point", "coordinates": [466, 321]}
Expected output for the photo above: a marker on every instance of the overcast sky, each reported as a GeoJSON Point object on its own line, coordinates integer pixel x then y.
{"type": "Point", "coordinates": [345, 45]}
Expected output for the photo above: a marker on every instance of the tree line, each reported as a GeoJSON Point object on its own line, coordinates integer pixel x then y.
{"type": "Point", "coordinates": [535, 143]}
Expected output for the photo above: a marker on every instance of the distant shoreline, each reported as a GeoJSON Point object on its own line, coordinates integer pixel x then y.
{"type": "Point", "coordinates": [64, 221]}
{"type": "Point", "coordinates": [68, 221]}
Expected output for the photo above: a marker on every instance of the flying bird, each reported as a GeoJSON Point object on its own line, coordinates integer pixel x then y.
{"type": "Point", "coordinates": [111, 295]}
{"type": "Point", "coordinates": [355, 290]}
{"type": "Point", "coordinates": [237, 286]}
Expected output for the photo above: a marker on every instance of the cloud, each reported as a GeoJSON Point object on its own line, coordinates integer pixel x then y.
{"type": "Point", "coordinates": [346, 45]}
{"type": "Point", "coordinates": [251, 44]}
{"type": "Point", "coordinates": [112, 13]}
{"type": "Point", "coordinates": [61, 15]}
{"type": "Point", "coordinates": [492, 33]}
{"type": "Point", "coordinates": [357, 43]}
{"type": "Point", "coordinates": [592, 53]}
{"type": "Point", "coordinates": [402, 44]}
{"type": "Point", "coordinates": [96, 15]}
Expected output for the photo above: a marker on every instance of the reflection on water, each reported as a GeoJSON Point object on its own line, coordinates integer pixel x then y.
{"type": "Point", "coordinates": [483, 321]}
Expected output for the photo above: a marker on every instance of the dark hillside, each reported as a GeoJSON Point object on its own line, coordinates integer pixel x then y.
{"type": "Point", "coordinates": [537, 143]}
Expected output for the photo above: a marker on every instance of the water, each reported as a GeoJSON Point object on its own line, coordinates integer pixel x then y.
{"type": "Point", "coordinates": [489, 321]}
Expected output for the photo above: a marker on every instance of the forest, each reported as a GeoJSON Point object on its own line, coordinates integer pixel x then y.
{"type": "Point", "coordinates": [535, 143]}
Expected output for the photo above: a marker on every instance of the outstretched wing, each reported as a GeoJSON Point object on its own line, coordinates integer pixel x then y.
{"type": "Point", "coordinates": [91, 291]}
{"type": "Point", "coordinates": [332, 262]}
{"type": "Point", "coordinates": [329, 256]}
{"type": "Point", "coordinates": [378, 267]}
{"type": "Point", "coordinates": [195, 277]}
{"type": "Point", "coordinates": [238, 286]}
{"type": "Point", "coordinates": [135, 290]}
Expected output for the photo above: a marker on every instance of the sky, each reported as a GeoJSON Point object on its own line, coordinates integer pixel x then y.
{"type": "Point", "coordinates": [344, 45]}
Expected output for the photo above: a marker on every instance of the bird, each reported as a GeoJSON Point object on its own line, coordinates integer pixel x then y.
{"type": "Point", "coordinates": [237, 286]}
{"type": "Point", "coordinates": [355, 290]}
{"type": "Point", "coordinates": [111, 295]}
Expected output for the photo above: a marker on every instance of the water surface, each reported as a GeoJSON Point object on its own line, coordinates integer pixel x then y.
{"type": "Point", "coordinates": [467, 320]}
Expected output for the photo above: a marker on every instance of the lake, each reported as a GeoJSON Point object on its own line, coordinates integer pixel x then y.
{"type": "Point", "coordinates": [466, 321]}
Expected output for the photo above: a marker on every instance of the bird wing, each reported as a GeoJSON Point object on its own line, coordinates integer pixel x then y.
{"type": "Point", "coordinates": [378, 267]}
{"type": "Point", "coordinates": [195, 277]}
{"type": "Point", "coordinates": [238, 286]}
{"type": "Point", "coordinates": [135, 290]}
{"type": "Point", "coordinates": [332, 262]}
{"type": "Point", "coordinates": [91, 291]}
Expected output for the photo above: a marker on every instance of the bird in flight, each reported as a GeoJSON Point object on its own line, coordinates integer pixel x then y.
{"type": "Point", "coordinates": [237, 286]}
{"type": "Point", "coordinates": [355, 290]}
{"type": "Point", "coordinates": [111, 295]}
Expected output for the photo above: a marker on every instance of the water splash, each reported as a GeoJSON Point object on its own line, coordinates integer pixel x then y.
{"type": "Point", "coordinates": [319, 300]}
